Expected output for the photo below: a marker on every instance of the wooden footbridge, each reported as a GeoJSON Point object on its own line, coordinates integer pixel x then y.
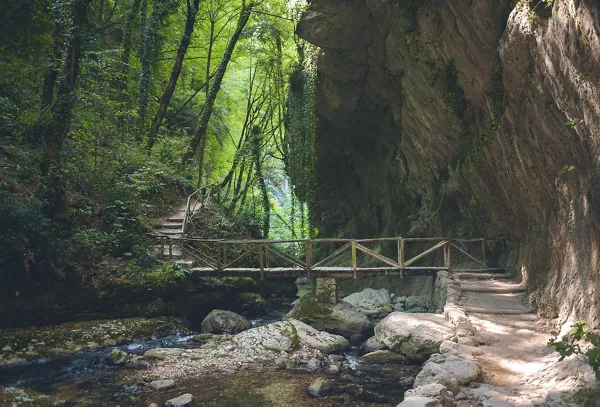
{"type": "Point", "coordinates": [332, 258]}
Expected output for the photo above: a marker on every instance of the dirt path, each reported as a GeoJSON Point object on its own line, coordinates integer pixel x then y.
{"type": "Point", "coordinates": [516, 361]}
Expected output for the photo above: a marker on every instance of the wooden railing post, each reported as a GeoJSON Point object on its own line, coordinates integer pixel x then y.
{"type": "Point", "coordinates": [267, 256]}
{"type": "Point", "coordinates": [308, 257]}
{"type": "Point", "coordinates": [261, 263]}
{"type": "Point", "coordinates": [225, 257]}
{"type": "Point", "coordinates": [162, 247]}
{"type": "Point", "coordinates": [354, 267]}
{"type": "Point", "coordinates": [219, 247]}
{"type": "Point", "coordinates": [170, 249]}
{"type": "Point", "coordinates": [447, 256]}
{"type": "Point", "coordinates": [483, 251]}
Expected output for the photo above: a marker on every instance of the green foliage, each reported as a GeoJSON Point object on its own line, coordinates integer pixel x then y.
{"type": "Point", "coordinates": [571, 344]}
{"type": "Point", "coordinates": [175, 271]}
{"type": "Point", "coordinates": [573, 123]}
{"type": "Point", "coordinates": [565, 169]}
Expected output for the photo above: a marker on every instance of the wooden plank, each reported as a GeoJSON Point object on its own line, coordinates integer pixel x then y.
{"type": "Point", "coordinates": [425, 253]}
{"type": "Point", "coordinates": [241, 257]}
{"type": "Point", "coordinates": [261, 263]}
{"type": "Point", "coordinates": [308, 253]}
{"type": "Point", "coordinates": [287, 257]}
{"type": "Point", "coordinates": [376, 255]}
{"type": "Point", "coordinates": [496, 311]}
{"type": "Point", "coordinates": [487, 270]}
{"type": "Point", "coordinates": [468, 255]}
{"type": "Point", "coordinates": [334, 254]}
{"type": "Point", "coordinates": [353, 245]}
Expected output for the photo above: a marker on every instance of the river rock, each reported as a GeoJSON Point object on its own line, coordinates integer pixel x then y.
{"type": "Point", "coordinates": [279, 337]}
{"type": "Point", "coordinates": [340, 318]}
{"type": "Point", "coordinates": [372, 344]}
{"type": "Point", "coordinates": [464, 371]}
{"type": "Point", "coordinates": [319, 388]}
{"type": "Point", "coordinates": [116, 357]}
{"type": "Point", "coordinates": [380, 357]}
{"type": "Point", "coordinates": [160, 385]}
{"type": "Point", "coordinates": [494, 402]}
{"type": "Point", "coordinates": [433, 390]}
{"type": "Point", "coordinates": [323, 341]}
{"type": "Point", "coordinates": [370, 299]}
{"type": "Point", "coordinates": [420, 402]}
{"type": "Point", "coordinates": [224, 322]}
{"type": "Point", "coordinates": [417, 336]}
{"type": "Point", "coordinates": [17, 396]}
{"type": "Point", "coordinates": [434, 373]}
{"type": "Point", "coordinates": [162, 353]}
{"type": "Point", "coordinates": [181, 401]}
{"type": "Point", "coordinates": [417, 303]}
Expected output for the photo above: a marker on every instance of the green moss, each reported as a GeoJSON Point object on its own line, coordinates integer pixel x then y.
{"type": "Point", "coordinates": [308, 310]}
{"type": "Point", "coordinates": [25, 397]}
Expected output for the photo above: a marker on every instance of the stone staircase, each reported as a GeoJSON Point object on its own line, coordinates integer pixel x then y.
{"type": "Point", "coordinates": [492, 293]}
{"type": "Point", "coordinates": [172, 226]}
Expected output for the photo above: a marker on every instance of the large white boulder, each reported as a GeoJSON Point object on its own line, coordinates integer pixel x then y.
{"type": "Point", "coordinates": [420, 402]}
{"type": "Point", "coordinates": [465, 371]}
{"type": "Point", "coordinates": [340, 318]}
{"type": "Point", "coordinates": [416, 336]}
{"type": "Point", "coordinates": [279, 336]}
{"type": "Point", "coordinates": [433, 390]}
{"type": "Point", "coordinates": [323, 341]}
{"type": "Point", "coordinates": [370, 299]}
{"type": "Point", "coordinates": [433, 373]}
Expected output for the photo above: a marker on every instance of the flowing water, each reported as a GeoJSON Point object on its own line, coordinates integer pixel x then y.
{"type": "Point", "coordinates": [84, 378]}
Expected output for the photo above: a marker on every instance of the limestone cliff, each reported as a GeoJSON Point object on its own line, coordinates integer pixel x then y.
{"type": "Point", "coordinates": [458, 117]}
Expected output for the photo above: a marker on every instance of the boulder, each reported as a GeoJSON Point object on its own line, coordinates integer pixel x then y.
{"type": "Point", "coordinates": [323, 341]}
{"type": "Point", "coordinates": [319, 388]}
{"type": "Point", "coordinates": [420, 402]}
{"type": "Point", "coordinates": [417, 336]}
{"type": "Point", "coordinates": [380, 357]}
{"type": "Point", "coordinates": [181, 401]}
{"type": "Point", "coordinates": [372, 344]}
{"type": "Point", "coordinates": [160, 385]}
{"type": "Point", "coordinates": [417, 303]}
{"type": "Point", "coordinates": [340, 318]}
{"type": "Point", "coordinates": [116, 357]}
{"type": "Point", "coordinates": [279, 337]}
{"type": "Point", "coordinates": [465, 371]}
{"type": "Point", "coordinates": [370, 299]}
{"type": "Point", "coordinates": [434, 373]}
{"type": "Point", "coordinates": [162, 353]}
{"type": "Point", "coordinates": [224, 322]}
{"type": "Point", "coordinates": [433, 390]}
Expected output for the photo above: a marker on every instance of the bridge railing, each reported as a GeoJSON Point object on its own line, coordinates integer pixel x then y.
{"type": "Point", "coordinates": [313, 256]}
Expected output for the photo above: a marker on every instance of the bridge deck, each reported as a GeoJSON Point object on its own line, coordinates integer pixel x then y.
{"type": "Point", "coordinates": [331, 272]}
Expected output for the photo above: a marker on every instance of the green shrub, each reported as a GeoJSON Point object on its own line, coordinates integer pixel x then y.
{"type": "Point", "coordinates": [571, 344]}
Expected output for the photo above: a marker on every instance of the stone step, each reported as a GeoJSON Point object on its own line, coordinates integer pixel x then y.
{"type": "Point", "coordinates": [493, 290]}
{"type": "Point", "coordinates": [169, 232]}
{"type": "Point", "coordinates": [175, 219]}
{"type": "Point", "coordinates": [481, 276]}
{"type": "Point", "coordinates": [168, 225]}
{"type": "Point", "coordinates": [502, 311]}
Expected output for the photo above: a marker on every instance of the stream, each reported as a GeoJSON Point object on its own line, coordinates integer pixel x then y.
{"type": "Point", "coordinates": [84, 378]}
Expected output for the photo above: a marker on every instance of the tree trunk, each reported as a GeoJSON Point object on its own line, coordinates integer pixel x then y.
{"type": "Point", "coordinates": [127, 37]}
{"type": "Point", "coordinates": [200, 132]}
{"type": "Point", "coordinates": [192, 11]}
{"type": "Point", "coordinates": [56, 128]}
{"type": "Point", "coordinates": [256, 141]}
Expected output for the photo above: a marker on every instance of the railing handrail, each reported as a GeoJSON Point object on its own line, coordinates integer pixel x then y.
{"type": "Point", "coordinates": [334, 240]}
{"type": "Point", "coordinates": [188, 210]}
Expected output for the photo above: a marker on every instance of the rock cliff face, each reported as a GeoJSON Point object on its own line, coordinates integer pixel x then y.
{"type": "Point", "coordinates": [449, 117]}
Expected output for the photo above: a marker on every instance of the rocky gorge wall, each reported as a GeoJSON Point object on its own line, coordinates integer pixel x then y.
{"type": "Point", "coordinates": [460, 117]}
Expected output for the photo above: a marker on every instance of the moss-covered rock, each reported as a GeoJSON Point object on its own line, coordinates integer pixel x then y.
{"type": "Point", "coordinates": [16, 396]}
{"type": "Point", "coordinates": [340, 318]}
{"type": "Point", "coordinates": [279, 336]}
{"type": "Point", "coordinates": [51, 341]}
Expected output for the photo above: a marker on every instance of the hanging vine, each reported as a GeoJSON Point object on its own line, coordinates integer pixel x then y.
{"type": "Point", "coordinates": [301, 127]}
